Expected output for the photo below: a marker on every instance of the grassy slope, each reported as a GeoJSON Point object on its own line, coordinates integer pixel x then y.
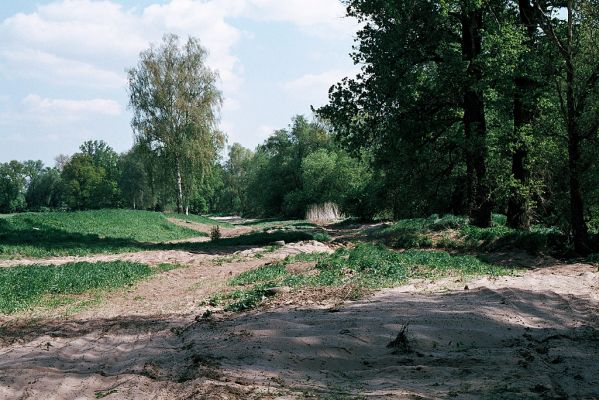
{"type": "Point", "coordinates": [25, 287]}
{"type": "Point", "coordinates": [365, 266]}
{"type": "Point", "coordinates": [85, 232]}
{"type": "Point", "coordinates": [452, 232]}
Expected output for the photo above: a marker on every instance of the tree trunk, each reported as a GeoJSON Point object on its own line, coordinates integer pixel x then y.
{"type": "Point", "coordinates": [179, 186]}
{"type": "Point", "coordinates": [475, 128]}
{"type": "Point", "coordinates": [525, 105]}
{"type": "Point", "coordinates": [517, 211]}
{"type": "Point", "coordinates": [579, 228]}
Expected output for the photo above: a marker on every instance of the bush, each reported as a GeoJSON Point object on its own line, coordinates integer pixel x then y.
{"type": "Point", "coordinates": [215, 233]}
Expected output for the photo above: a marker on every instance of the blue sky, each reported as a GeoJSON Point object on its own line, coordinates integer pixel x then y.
{"type": "Point", "coordinates": [62, 65]}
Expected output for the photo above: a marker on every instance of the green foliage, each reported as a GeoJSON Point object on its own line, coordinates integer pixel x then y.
{"type": "Point", "coordinates": [176, 102]}
{"type": "Point", "coordinates": [364, 266]}
{"type": "Point", "coordinates": [91, 176]}
{"type": "Point", "coordinates": [458, 234]}
{"type": "Point", "coordinates": [301, 166]}
{"type": "Point", "coordinates": [85, 232]}
{"type": "Point", "coordinates": [12, 184]}
{"type": "Point", "coordinates": [24, 287]}
{"type": "Point", "coordinates": [536, 240]}
{"type": "Point", "coordinates": [45, 191]}
{"type": "Point", "coordinates": [259, 275]}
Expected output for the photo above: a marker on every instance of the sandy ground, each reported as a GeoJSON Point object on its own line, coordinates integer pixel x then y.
{"type": "Point", "coordinates": [533, 336]}
{"type": "Point", "coordinates": [530, 336]}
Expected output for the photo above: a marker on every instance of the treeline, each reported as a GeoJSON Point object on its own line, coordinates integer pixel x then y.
{"type": "Point", "coordinates": [95, 177]}
{"type": "Point", "coordinates": [293, 169]}
{"type": "Point", "coordinates": [473, 107]}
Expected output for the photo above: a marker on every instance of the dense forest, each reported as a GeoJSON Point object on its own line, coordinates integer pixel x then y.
{"type": "Point", "coordinates": [464, 107]}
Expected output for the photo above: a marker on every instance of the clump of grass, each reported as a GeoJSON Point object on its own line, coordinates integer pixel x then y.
{"type": "Point", "coordinates": [323, 213]}
{"type": "Point", "coordinates": [85, 232]}
{"type": "Point", "coordinates": [27, 286]}
{"type": "Point", "coordinates": [263, 274]}
{"type": "Point", "coordinates": [537, 239]}
{"type": "Point", "coordinates": [457, 234]}
{"type": "Point", "coordinates": [367, 266]}
{"type": "Point", "coordinates": [593, 259]}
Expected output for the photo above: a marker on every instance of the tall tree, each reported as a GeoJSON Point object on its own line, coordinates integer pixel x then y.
{"type": "Point", "coordinates": [176, 102]}
{"type": "Point", "coordinates": [576, 43]}
{"type": "Point", "coordinates": [525, 106]}
{"type": "Point", "coordinates": [419, 102]}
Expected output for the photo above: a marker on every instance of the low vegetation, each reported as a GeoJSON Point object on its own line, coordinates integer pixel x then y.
{"type": "Point", "coordinates": [25, 287]}
{"type": "Point", "coordinates": [366, 266]}
{"type": "Point", "coordinates": [85, 232]}
{"type": "Point", "coordinates": [455, 233]}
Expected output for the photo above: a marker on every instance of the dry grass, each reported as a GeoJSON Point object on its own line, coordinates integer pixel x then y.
{"type": "Point", "coordinates": [323, 213]}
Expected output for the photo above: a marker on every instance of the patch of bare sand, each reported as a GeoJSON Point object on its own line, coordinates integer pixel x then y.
{"type": "Point", "coordinates": [531, 336]}
{"type": "Point", "coordinates": [204, 228]}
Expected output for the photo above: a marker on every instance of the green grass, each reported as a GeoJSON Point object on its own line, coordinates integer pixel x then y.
{"type": "Point", "coordinates": [85, 232]}
{"type": "Point", "coordinates": [199, 219]}
{"type": "Point", "coordinates": [26, 287]}
{"type": "Point", "coordinates": [457, 234]}
{"type": "Point", "coordinates": [367, 265]}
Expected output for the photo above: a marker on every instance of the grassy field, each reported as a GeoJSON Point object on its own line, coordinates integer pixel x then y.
{"type": "Point", "coordinates": [25, 287]}
{"type": "Point", "coordinates": [85, 232]}
{"type": "Point", "coordinates": [366, 266]}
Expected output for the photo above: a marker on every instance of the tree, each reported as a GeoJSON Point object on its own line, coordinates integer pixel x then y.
{"type": "Point", "coordinates": [91, 177]}
{"type": "Point", "coordinates": [12, 187]}
{"type": "Point", "coordinates": [133, 180]}
{"type": "Point", "coordinates": [175, 104]}
{"type": "Point", "coordinates": [45, 191]}
{"type": "Point", "coordinates": [576, 44]}
{"type": "Point", "coordinates": [418, 104]}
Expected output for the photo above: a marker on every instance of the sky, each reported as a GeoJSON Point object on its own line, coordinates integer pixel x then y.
{"type": "Point", "coordinates": [63, 65]}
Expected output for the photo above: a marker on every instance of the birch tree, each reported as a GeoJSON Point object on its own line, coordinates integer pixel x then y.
{"type": "Point", "coordinates": [176, 104]}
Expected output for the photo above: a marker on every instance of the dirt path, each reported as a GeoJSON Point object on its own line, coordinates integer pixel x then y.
{"type": "Point", "coordinates": [530, 336]}
{"type": "Point", "coordinates": [225, 231]}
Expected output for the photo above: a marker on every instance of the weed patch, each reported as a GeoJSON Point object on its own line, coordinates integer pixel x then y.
{"type": "Point", "coordinates": [24, 287]}
{"type": "Point", "coordinates": [366, 266]}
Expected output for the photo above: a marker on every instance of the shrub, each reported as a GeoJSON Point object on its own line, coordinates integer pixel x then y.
{"type": "Point", "coordinates": [215, 233]}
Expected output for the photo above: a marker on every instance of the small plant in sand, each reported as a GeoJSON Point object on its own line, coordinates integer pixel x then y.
{"type": "Point", "coordinates": [215, 234]}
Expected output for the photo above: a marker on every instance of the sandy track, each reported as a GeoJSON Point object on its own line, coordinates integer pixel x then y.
{"type": "Point", "coordinates": [530, 336]}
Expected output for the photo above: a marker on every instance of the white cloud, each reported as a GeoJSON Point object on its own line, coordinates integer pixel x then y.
{"type": "Point", "coordinates": [46, 66]}
{"type": "Point", "coordinates": [72, 108]}
{"type": "Point", "coordinates": [103, 38]}
{"type": "Point", "coordinates": [314, 87]}
{"type": "Point", "coordinates": [319, 17]}
{"type": "Point", "coordinates": [264, 131]}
